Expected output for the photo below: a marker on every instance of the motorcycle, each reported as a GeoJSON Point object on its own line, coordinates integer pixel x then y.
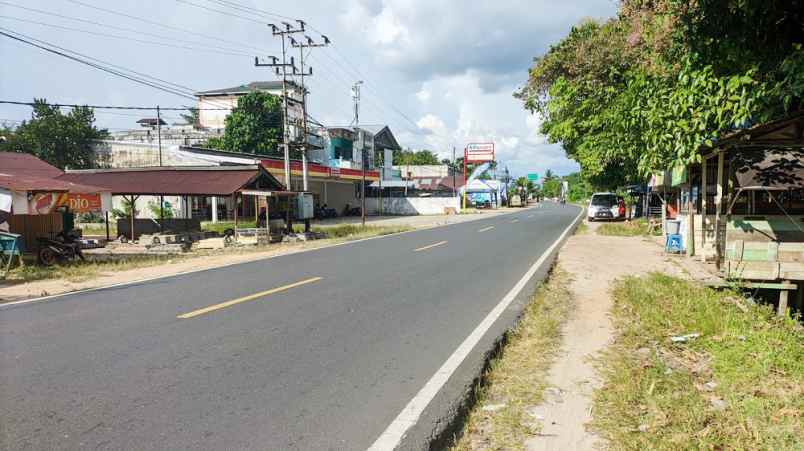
{"type": "Point", "coordinates": [64, 247]}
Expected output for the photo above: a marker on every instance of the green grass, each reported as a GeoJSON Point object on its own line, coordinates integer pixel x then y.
{"type": "Point", "coordinates": [81, 271]}
{"type": "Point", "coordinates": [739, 386]}
{"type": "Point", "coordinates": [636, 227]}
{"type": "Point", "coordinates": [353, 230]}
{"type": "Point", "coordinates": [219, 227]}
{"type": "Point", "coordinates": [517, 377]}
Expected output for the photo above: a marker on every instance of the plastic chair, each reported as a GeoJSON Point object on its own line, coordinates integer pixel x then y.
{"type": "Point", "coordinates": [673, 243]}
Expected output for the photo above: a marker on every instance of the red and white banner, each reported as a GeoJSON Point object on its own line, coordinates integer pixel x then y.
{"type": "Point", "coordinates": [479, 152]}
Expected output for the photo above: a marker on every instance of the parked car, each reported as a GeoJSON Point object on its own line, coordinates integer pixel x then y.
{"type": "Point", "coordinates": [605, 206]}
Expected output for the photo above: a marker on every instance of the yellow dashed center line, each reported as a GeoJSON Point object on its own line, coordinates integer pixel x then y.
{"type": "Point", "coordinates": [250, 297]}
{"type": "Point", "coordinates": [486, 229]}
{"type": "Point", "coordinates": [429, 246]}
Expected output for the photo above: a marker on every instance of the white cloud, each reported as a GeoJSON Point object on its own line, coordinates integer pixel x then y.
{"type": "Point", "coordinates": [424, 94]}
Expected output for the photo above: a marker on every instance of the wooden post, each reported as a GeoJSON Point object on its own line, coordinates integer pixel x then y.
{"type": "Point", "coordinates": [268, 217]}
{"type": "Point", "coordinates": [782, 311]}
{"type": "Point", "coordinates": [800, 299]}
{"type": "Point", "coordinates": [718, 207]}
{"type": "Point", "coordinates": [132, 212]}
{"type": "Point", "coordinates": [690, 223]}
{"type": "Point", "coordinates": [234, 199]}
{"type": "Point", "coordinates": [107, 226]}
{"type": "Point", "coordinates": [703, 192]}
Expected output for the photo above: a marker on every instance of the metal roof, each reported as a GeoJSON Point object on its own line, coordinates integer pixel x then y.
{"type": "Point", "coordinates": [245, 89]}
{"type": "Point", "coordinates": [19, 164]}
{"type": "Point", "coordinates": [44, 184]}
{"type": "Point", "coordinates": [178, 180]}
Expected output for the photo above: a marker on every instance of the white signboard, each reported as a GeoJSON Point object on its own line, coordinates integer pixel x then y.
{"type": "Point", "coordinates": [479, 152]}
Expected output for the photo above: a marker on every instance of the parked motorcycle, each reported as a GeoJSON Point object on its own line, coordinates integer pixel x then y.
{"type": "Point", "coordinates": [64, 247]}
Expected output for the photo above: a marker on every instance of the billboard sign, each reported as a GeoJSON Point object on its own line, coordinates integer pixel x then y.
{"type": "Point", "coordinates": [479, 152]}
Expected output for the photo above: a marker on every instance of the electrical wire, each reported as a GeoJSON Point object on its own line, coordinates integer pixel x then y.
{"type": "Point", "coordinates": [118, 28]}
{"type": "Point", "coordinates": [165, 26]}
{"type": "Point", "coordinates": [113, 107]}
{"type": "Point", "coordinates": [126, 38]}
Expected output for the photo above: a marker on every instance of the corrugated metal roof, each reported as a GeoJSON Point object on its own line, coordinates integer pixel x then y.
{"type": "Point", "coordinates": [245, 89]}
{"type": "Point", "coordinates": [177, 181]}
{"type": "Point", "coordinates": [44, 184]}
{"type": "Point", "coordinates": [26, 164]}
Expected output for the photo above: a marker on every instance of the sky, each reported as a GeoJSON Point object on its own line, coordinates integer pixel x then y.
{"type": "Point", "coordinates": [440, 73]}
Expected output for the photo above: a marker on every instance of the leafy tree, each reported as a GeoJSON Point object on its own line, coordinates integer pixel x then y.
{"type": "Point", "coordinates": [415, 157]}
{"type": "Point", "coordinates": [552, 187]}
{"type": "Point", "coordinates": [192, 117]}
{"type": "Point", "coordinates": [647, 89]}
{"type": "Point", "coordinates": [63, 140]}
{"type": "Point", "coordinates": [254, 126]}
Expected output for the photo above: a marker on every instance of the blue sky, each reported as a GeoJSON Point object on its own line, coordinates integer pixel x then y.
{"type": "Point", "coordinates": [440, 73]}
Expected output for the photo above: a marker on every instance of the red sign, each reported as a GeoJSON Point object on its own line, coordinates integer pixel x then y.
{"type": "Point", "coordinates": [334, 172]}
{"type": "Point", "coordinates": [479, 152]}
{"type": "Point", "coordinates": [81, 202]}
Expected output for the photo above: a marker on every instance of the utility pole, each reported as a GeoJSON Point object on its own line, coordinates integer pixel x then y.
{"type": "Point", "coordinates": [159, 132]}
{"type": "Point", "coordinates": [159, 140]}
{"type": "Point", "coordinates": [284, 65]}
{"type": "Point", "coordinates": [356, 98]}
{"type": "Point", "coordinates": [454, 163]}
{"type": "Point", "coordinates": [302, 73]}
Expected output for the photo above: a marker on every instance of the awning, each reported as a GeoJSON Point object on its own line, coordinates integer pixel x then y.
{"type": "Point", "coordinates": [774, 169]}
{"type": "Point", "coordinates": [178, 180]}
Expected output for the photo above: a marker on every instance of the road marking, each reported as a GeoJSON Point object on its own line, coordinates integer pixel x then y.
{"type": "Point", "coordinates": [515, 220]}
{"type": "Point", "coordinates": [250, 297]}
{"type": "Point", "coordinates": [55, 297]}
{"type": "Point", "coordinates": [530, 216]}
{"type": "Point", "coordinates": [486, 229]}
{"type": "Point", "coordinates": [429, 246]}
{"type": "Point", "coordinates": [393, 434]}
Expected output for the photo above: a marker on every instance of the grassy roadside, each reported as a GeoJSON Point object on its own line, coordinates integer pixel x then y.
{"type": "Point", "coordinates": [636, 227]}
{"type": "Point", "coordinates": [740, 385]}
{"type": "Point", "coordinates": [83, 271]}
{"type": "Point", "coordinates": [515, 380]}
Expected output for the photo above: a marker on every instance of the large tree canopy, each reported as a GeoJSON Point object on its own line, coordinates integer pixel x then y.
{"type": "Point", "coordinates": [63, 140]}
{"type": "Point", "coordinates": [415, 157]}
{"type": "Point", "coordinates": [647, 89]}
{"type": "Point", "coordinates": [254, 126]}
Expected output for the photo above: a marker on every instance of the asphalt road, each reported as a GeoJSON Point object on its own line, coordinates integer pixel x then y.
{"type": "Point", "coordinates": [318, 350]}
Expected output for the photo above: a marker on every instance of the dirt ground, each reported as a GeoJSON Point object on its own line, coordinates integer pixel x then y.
{"type": "Point", "coordinates": [10, 292]}
{"type": "Point", "coordinates": [593, 261]}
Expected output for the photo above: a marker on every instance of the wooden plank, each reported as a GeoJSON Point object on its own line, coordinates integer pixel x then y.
{"type": "Point", "coordinates": [782, 303]}
{"type": "Point", "coordinates": [762, 270]}
{"type": "Point", "coordinates": [752, 285]}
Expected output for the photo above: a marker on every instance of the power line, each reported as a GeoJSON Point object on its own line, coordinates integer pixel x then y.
{"type": "Point", "coordinates": [118, 28]}
{"type": "Point", "coordinates": [165, 26]}
{"type": "Point", "coordinates": [144, 79]}
{"type": "Point", "coordinates": [126, 38]}
{"type": "Point", "coordinates": [225, 13]}
{"type": "Point", "coordinates": [250, 9]}
{"type": "Point", "coordinates": [4, 32]}
{"type": "Point", "coordinates": [112, 107]}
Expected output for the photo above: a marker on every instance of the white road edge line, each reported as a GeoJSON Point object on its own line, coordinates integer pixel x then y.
{"type": "Point", "coordinates": [395, 432]}
{"type": "Point", "coordinates": [51, 297]}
